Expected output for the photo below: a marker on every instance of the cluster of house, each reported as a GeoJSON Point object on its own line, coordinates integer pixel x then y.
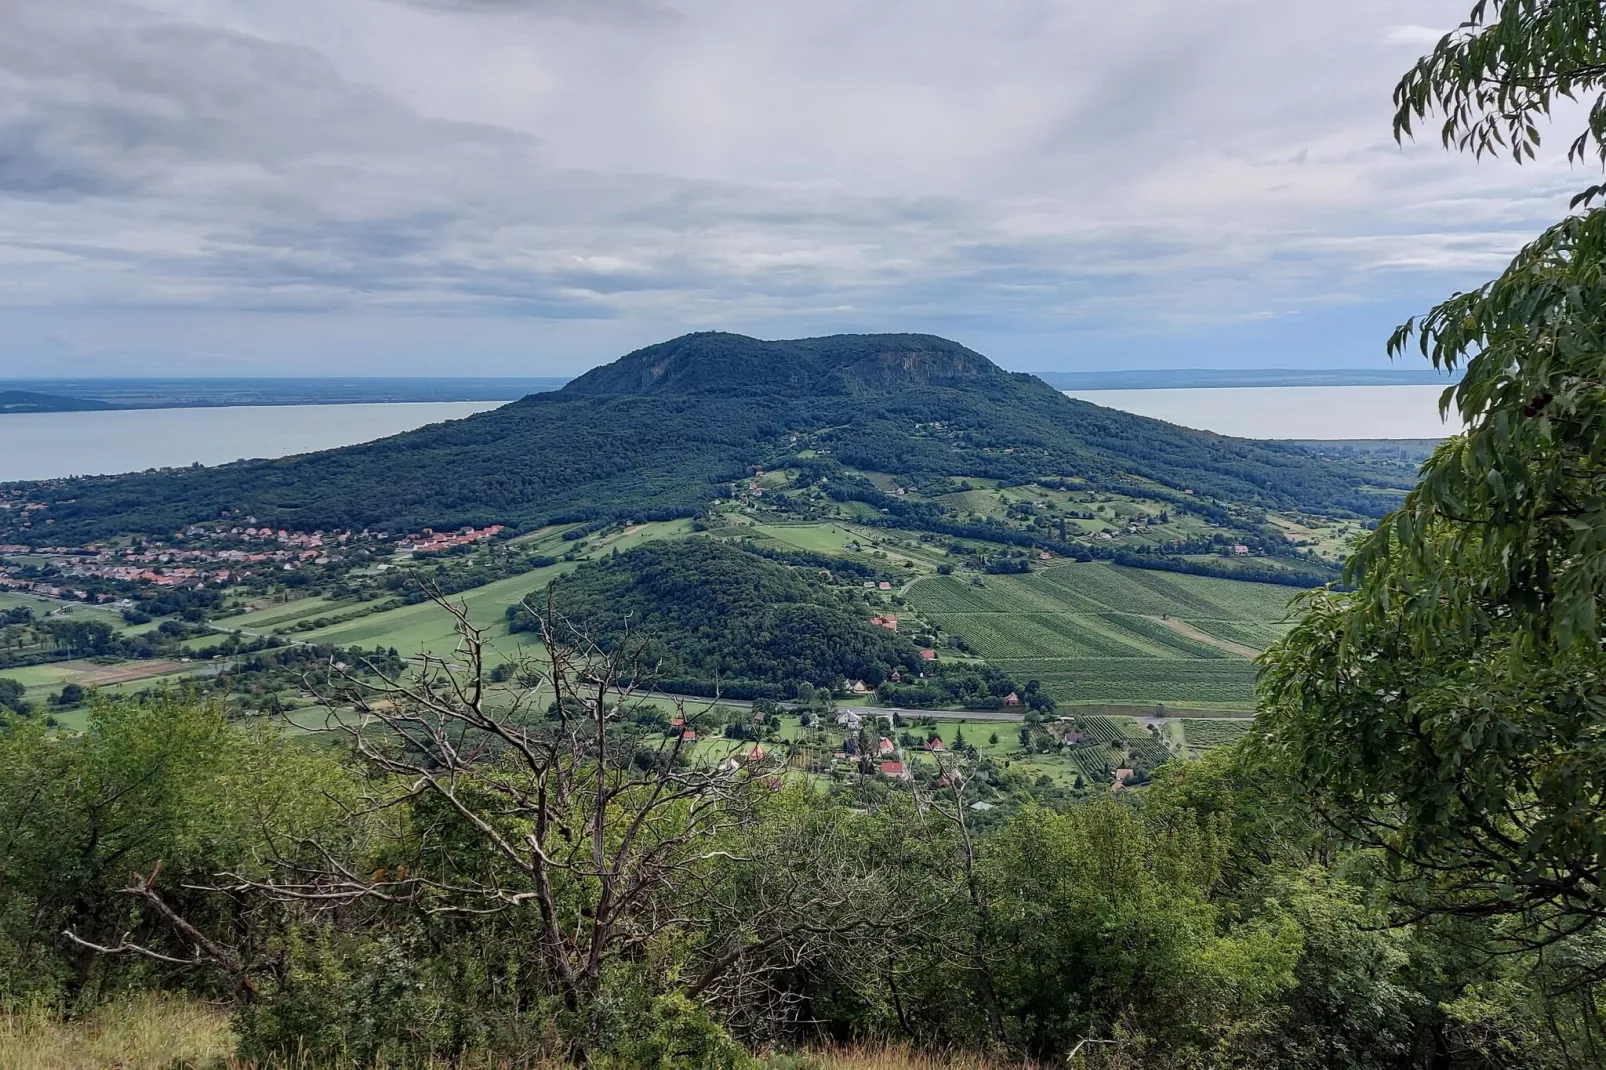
{"type": "Point", "coordinates": [431, 541]}
{"type": "Point", "coordinates": [48, 590]}
{"type": "Point", "coordinates": [296, 539]}
{"type": "Point", "coordinates": [181, 568]}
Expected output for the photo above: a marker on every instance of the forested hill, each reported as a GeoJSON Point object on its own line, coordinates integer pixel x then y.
{"type": "Point", "coordinates": [806, 367]}
{"type": "Point", "coordinates": [663, 430]}
{"type": "Point", "coordinates": [717, 620]}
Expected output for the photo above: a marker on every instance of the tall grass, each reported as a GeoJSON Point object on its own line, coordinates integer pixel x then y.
{"type": "Point", "coordinates": [151, 1032]}
{"type": "Point", "coordinates": [892, 1057]}
{"type": "Point", "coordinates": [158, 1032]}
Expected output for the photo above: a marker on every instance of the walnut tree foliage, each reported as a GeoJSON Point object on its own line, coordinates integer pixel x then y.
{"type": "Point", "coordinates": [1450, 710]}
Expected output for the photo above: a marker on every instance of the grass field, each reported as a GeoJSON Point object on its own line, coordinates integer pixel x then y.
{"type": "Point", "coordinates": [43, 607]}
{"type": "Point", "coordinates": [1101, 633]}
{"type": "Point", "coordinates": [1202, 734]}
{"type": "Point", "coordinates": [272, 616]}
{"type": "Point", "coordinates": [427, 627]}
{"type": "Point", "coordinates": [42, 680]}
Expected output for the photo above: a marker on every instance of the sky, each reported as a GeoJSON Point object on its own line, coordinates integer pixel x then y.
{"type": "Point", "coordinates": [532, 187]}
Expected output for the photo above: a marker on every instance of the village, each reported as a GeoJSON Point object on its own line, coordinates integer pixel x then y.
{"type": "Point", "coordinates": [201, 555]}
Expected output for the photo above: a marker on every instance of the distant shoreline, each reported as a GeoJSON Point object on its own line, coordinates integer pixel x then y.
{"type": "Point", "coordinates": [1209, 378]}
{"type": "Point", "coordinates": [196, 393]}
{"type": "Point", "coordinates": [175, 393]}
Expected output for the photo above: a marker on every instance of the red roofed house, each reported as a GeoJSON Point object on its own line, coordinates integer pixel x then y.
{"type": "Point", "coordinates": [892, 769]}
{"type": "Point", "coordinates": [885, 746]}
{"type": "Point", "coordinates": [756, 754]}
{"type": "Point", "coordinates": [928, 655]}
{"type": "Point", "coordinates": [1012, 699]}
{"type": "Point", "coordinates": [689, 736]}
{"type": "Point", "coordinates": [1120, 779]}
{"type": "Point", "coordinates": [935, 745]}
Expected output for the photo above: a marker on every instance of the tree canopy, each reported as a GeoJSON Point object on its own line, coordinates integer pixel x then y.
{"type": "Point", "coordinates": [1449, 711]}
{"type": "Point", "coordinates": [715, 617]}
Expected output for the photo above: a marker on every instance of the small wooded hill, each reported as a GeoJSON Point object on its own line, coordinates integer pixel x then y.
{"type": "Point", "coordinates": [721, 618]}
{"type": "Point", "coordinates": [660, 431]}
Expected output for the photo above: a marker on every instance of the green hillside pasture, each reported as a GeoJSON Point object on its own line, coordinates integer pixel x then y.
{"type": "Point", "coordinates": [998, 636]}
{"type": "Point", "coordinates": [1222, 683]}
{"type": "Point", "coordinates": [1158, 634]}
{"type": "Point", "coordinates": [12, 600]}
{"type": "Point", "coordinates": [1149, 593]}
{"type": "Point", "coordinates": [426, 627]}
{"type": "Point", "coordinates": [946, 594]}
{"type": "Point", "coordinates": [818, 538]}
{"type": "Point", "coordinates": [1097, 633]}
{"type": "Point", "coordinates": [1204, 734]}
{"type": "Point", "coordinates": [43, 607]}
{"type": "Point", "coordinates": [1249, 633]}
{"type": "Point", "coordinates": [40, 679]}
{"type": "Point", "coordinates": [1095, 764]}
{"type": "Point", "coordinates": [269, 617]}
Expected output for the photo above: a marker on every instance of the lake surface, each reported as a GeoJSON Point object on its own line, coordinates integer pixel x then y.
{"type": "Point", "coordinates": [47, 445]}
{"type": "Point", "coordinates": [51, 444]}
{"type": "Point", "coordinates": [1320, 412]}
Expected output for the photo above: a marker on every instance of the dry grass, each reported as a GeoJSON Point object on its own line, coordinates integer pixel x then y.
{"type": "Point", "coordinates": [156, 1032]}
{"type": "Point", "coordinates": [891, 1057]}
{"type": "Point", "coordinates": [149, 1033]}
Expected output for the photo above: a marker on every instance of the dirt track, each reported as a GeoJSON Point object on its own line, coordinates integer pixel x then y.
{"type": "Point", "coordinates": [100, 675]}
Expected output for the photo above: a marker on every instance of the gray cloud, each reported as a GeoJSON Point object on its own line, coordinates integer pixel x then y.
{"type": "Point", "coordinates": [366, 183]}
{"type": "Point", "coordinates": [585, 10]}
{"type": "Point", "coordinates": [115, 99]}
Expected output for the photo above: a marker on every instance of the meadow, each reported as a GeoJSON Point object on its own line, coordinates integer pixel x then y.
{"type": "Point", "coordinates": [1100, 633]}
{"type": "Point", "coordinates": [425, 627]}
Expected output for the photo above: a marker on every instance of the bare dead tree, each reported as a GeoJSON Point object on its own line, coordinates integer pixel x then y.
{"type": "Point", "coordinates": [608, 834]}
{"type": "Point", "coordinates": [977, 955]}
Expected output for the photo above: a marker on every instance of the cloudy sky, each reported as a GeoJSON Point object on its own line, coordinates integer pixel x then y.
{"type": "Point", "coordinates": [506, 187]}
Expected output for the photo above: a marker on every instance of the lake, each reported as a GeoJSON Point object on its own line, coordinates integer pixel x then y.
{"type": "Point", "coordinates": [46, 445]}
{"type": "Point", "coordinates": [52, 444]}
{"type": "Point", "coordinates": [1305, 412]}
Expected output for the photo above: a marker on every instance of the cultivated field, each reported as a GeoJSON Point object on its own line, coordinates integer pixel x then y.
{"type": "Point", "coordinates": [1098, 633]}
{"type": "Point", "coordinates": [426, 627]}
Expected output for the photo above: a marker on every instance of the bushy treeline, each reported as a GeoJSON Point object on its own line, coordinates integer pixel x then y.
{"type": "Point", "coordinates": [711, 616]}
{"type": "Point", "coordinates": [60, 638]}
{"type": "Point", "coordinates": [968, 684]}
{"type": "Point", "coordinates": [1209, 923]}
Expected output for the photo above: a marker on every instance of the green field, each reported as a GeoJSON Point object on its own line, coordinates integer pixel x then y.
{"type": "Point", "coordinates": [1202, 734]}
{"type": "Point", "coordinates": [1098, 633]}
{"type": "Point", "coordinates": [43, 607]}
{"type": "Point", "coordinates": [426, 627]}
{"type": "Point", "coordinates": [278, 615]}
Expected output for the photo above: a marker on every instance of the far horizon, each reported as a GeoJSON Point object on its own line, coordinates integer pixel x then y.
{"type": "Point", "coordinates": [379, 189]}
